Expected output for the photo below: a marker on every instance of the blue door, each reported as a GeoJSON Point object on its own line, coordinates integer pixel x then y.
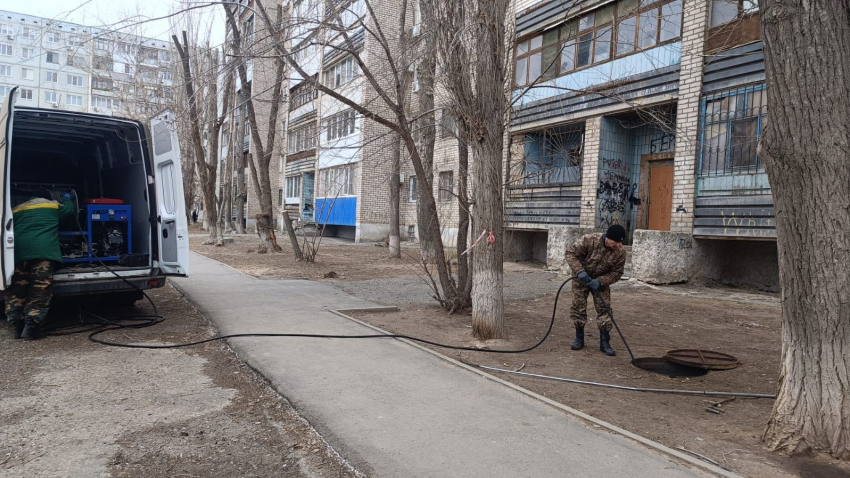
{"type": "Point", "coordinates": [307, 197]}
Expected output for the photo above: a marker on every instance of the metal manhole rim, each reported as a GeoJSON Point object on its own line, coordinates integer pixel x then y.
{"type": "Point", "coordinates": [706, 359]}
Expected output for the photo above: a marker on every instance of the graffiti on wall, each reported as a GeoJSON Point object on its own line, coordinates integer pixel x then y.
{"type": "Point", "coordinates": [662, 143]}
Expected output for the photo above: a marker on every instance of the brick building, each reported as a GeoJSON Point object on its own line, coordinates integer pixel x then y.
{"type": "Point", "coordinates": [646, 114]}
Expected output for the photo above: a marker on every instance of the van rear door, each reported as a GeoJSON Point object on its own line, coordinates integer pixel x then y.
{"type": "Point", "coordinates": [7, 258]}
{"type": "Point", "coordinates": [173, 228]}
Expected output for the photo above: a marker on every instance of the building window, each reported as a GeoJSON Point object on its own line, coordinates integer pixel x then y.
{"type": "Point", "coordinates": [339, 181]}
{"type": "Point", "coordinates": [412, 189]}
{"type": "Point", "coordinates": [280, 197]}
{"type": "Point", "coordinates": [166, 75]}
{"type": "Point", "coordinates": [447, 184]}
{"type": "Point", "coordinates": [74, 100]}
{"type": "Point", "coordinates": [127, 69]}
{"type": "Point", "coordinates": [101, 102]}
{"type": "Point", "coordinates": [4, 29]}
{"type": "Point", "coordinates": [75, 40]}
{"type": "Point", "coordinates": [340, 125]}
{"type": "Point", "coordinates": [51, 97]}
{"type": "Point", "coordinates": [102, 84]}
{"type": "Point", "coordinates": [416, 77]}
{"type": "Point", "coordinates": [26, 53]}
{"type": "Point", "coordinates": [302, 138]}
{"type": "Point", "coordinates": [53, 37]}
{"type": "Point", "coordinates": [732, 124]}
{"type": "Point", "coordinates": [103, 63]}
{"type": "Point", "coordinates": [642, 28]}
{"type": "Point", "coordinates": [448, 124]}
{"type": "Point", "coordinates": [341, 73]}
{"type": "Point", "coordinates": [30, 33]}
{"type": "Point", "coordinates": [5, 70]}
{"type": "Point", "coordinates": [53, 57]}
{"type": "Point", "coordinates": [26, 94]}
{"type": "Point", "coordinates": [51, 77]}
{"type": "Point", "coordinates": [101, 44]}
{"type": "Point", "coordinates": [293, 187]}
{"type": "Point", "coordinates": [75, 80]}
{"type": "Point", "coordinates": [552, 156]}
{"type": "Point", "coordinates": [725, 11]}
{"type": "Point", "coordinates": [302, 94]}
{"type": "Point", "coordinates": [225, 134]}
{"type": "Point", "coordinates": [164, 56]}
{"type": "Point", "coordinates": [6, 50]}
{"type": "Point", "coordinates": [4, 91]}
{"type": "Point", "coordinates": [248, 29]}
{"type": "Point", "coordinates": [27, 74]}
{"type": "Point", "coordinates": [528, 63]}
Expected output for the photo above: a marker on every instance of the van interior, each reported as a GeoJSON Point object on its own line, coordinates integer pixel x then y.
{"type": "Point", "coordinates": [102, 161]}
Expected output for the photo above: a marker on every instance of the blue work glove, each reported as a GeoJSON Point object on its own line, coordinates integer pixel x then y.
{"type": "Point", "coordinates": [594, 285]}
{"type": "Point", "coordinates": [66, 196]}
{"type": "Point", "coordinates": [583, 277]}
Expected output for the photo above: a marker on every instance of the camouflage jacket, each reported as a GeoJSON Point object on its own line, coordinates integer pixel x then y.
{"type": "Point", "coordinates": [589, 254]}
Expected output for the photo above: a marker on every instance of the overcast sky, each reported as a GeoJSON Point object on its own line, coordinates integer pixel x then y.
{"type": "Point", "coordinates": [109, 12]}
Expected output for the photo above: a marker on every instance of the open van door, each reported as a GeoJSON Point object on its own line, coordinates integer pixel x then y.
{"type": "Point", "coordinates": [7, 258]}
{"type": "Point", "coordinates": [172, 226]}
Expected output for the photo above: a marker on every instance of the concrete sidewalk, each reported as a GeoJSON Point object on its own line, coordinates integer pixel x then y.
{"type": "Point", "coordinates": [393, 410]}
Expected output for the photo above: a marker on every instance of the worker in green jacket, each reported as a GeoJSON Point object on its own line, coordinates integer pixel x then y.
{"type": "Point", "coordinates": [37, 255]}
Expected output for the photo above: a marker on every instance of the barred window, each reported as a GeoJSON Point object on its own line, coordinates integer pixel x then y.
{"type": "Point", "coordinates": [732, 124]}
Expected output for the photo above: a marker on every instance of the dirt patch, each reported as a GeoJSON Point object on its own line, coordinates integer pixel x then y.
{"type": "Point", "coordinates": [654, 320]}
{"type": "Point", "coordinates": [70, 407]}
{"type": "Point", "coordinates": [348, 262]}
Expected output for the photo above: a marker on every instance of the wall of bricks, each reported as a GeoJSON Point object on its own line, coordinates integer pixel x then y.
{"type": "Point", "coordinates": [687, 113]}
{"type": "Point", "coordinates": [590, 171]}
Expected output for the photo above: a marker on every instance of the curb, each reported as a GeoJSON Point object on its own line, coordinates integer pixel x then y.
{"type": "Point", "coordinates": [702, 465]}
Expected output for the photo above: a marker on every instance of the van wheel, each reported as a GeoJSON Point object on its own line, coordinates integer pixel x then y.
{"type": "Point", "coordinates": [125, 299]}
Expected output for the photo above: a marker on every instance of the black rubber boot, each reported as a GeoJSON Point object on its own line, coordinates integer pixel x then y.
{"type": "Point", "coordinates": [31, 331]}
{"type": "Point", "coordinates": [605, 343]}
{"type": "Point", "coordinates": [578, 344]}
{"type": "Point", "coordinates": [18, 325]}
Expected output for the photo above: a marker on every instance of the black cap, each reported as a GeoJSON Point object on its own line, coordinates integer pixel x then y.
{"type": "Point", "coordinates": [616, 233]}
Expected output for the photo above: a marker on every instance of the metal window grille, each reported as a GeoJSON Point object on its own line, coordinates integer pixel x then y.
{"type": "Point", "coordinates": [553, 156]}
{"type": "Point", "coordinates": [732, 122]}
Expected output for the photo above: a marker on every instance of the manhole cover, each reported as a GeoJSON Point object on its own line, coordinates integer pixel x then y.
{"type": "Point", "coordinates": [706, 359]}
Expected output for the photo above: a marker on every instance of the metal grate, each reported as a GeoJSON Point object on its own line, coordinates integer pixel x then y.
{"type": "Point", "coordinates": [553, 156]}
{"type": "Point", "coordinates": [732, 122]}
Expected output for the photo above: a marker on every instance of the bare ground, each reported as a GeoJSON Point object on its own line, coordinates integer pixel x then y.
{"type": "Point", "coordinates": [653, 319]}
{"type": "Point", "coordinates": [70, 407]}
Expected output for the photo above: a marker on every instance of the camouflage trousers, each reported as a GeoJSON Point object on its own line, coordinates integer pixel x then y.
{"type": "Point", "coordinates": [578, 309]}
{"type": "Point", "coordinates": [31, 291]}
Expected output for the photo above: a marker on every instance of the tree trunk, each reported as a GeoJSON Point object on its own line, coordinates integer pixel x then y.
{"type": "Point", "coordinates": [241, 191]}
{"type": "Point", "coordinates": [464, 278]}
{"type": "Point", "coordinates": [395, 197]}
{"type": "Point", "coordinates": [806, 151]}
{"type": "Point", "coordinates": [427, 131]}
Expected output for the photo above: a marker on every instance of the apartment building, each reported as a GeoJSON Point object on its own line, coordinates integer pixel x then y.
{"type": "Point", "coordinates": [81, 68]}
{"type": "Point", "coordinates": [644, 113]}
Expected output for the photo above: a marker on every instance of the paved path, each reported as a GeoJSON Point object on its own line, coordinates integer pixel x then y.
{"type": "Point", "coordinates": [393, 410]}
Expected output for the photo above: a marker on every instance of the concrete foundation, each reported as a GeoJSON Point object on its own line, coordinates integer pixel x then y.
{"type": "Point", "coordinates": [525, 245]}
{"type": "Point", "coordinates": [660, 257]}
{"type": "Point", "coordinates": [559, 239]}
{"type": "Point", "coordinates": [372, 233]}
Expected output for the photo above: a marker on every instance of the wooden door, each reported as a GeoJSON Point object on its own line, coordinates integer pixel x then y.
{"type": "Point", "coordinates": [660, 197]}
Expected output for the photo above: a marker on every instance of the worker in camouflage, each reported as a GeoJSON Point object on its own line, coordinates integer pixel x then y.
{"type": "Point", "coordinates": [37, 255]}
{"type": "Point", "coordinates": [597, 260]}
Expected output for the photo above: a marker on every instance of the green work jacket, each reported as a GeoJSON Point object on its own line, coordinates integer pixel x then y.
{"type": "Point", "coordinates": [37, 229]}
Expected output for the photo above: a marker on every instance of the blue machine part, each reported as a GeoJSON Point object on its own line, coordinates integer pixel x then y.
{"type": "Point", "coordinates": [102, 214]}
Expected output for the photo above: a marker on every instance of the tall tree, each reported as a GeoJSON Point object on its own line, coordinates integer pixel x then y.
{"type": "Point", "coordinates": [473, 39]}
{"type": "Point", "coordinates": [206, 119]}
{"type": "Point", "coordinates": [806, 150]}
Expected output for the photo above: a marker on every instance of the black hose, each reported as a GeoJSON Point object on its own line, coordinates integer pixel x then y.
{"type": "Point", "coordinates": [322, 336]}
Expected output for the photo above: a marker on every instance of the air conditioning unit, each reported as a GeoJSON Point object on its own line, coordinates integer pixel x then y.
{"type": "Point", "coordinates": [55, 105]}
{"type": "Point", "coordinates": [96, 109]}
{"type": "Point", "coordinates": [10, 37]}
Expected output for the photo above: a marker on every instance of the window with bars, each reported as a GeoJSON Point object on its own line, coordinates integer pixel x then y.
{"type": "Point", "coordinates": [732, 124]}
{"type": "Point", "coordinates": [340, 125]}
{"type": "Point", "coordinates": [553, 155]}
{"type": "Point", "coordinates": [597, 37]}
{"type": "Point", "coordinates": [302, 138]}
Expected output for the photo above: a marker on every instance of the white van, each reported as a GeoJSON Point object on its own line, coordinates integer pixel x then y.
{"type": "Point", "coordinates": [129, 188]}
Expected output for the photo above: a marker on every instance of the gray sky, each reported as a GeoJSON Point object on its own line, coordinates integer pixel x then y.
{"type": "Point", "coordinates": [108, 12]}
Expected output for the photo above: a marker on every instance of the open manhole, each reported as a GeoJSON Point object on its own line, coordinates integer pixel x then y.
{"type": "Point", "coordinates": [704, 359]}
